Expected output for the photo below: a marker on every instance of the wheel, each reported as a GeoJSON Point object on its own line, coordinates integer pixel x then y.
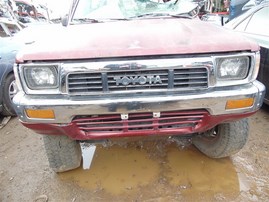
{"type": "Point", "coordinates": [9, 91]}
{"type": "Point", "coordinates": [63, 153]}
{"type": "Point", "coordinates": [223, 140]}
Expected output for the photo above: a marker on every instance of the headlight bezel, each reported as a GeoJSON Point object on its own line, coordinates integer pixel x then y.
{"type": "Point", "coordinates": [243, 68]}
{"type": "Point", "coordinates": [32, 84]}
{"type": "Point", "coordinates": [54, 89]}
{"type": "Point", "coordinates": [251, 72]}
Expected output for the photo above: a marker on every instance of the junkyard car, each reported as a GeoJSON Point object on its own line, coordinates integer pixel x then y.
{"type": "Point", "coordinates": [10, 43]}
{"type": "Point", "coordinates": [8, 87]}
{"type": "Point", "coordinates": [8, 27]}
{"type": "Point", "coordinates": [8, 48]}
{"type": "Point", "coordinates": [127, 68]}
{"type": "Point", "coordinates": [255, 25]}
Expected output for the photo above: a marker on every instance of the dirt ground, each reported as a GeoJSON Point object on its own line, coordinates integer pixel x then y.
{"type": "Point", "coordinates": [160, 170]}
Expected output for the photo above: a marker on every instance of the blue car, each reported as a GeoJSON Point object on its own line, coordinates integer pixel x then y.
{"type": "Point", "coordinates": [11, 43]}
{"type": "Point", "coordinates": [7, 80]}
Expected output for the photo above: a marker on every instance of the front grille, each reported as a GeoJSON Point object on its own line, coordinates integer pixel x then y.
{"type": "Point", "coordinates": [137, 80]}
{"type": "Point", "coordinates": [171, 120]}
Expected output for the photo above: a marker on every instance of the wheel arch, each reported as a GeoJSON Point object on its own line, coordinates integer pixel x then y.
{"type": "Point", "coordinates": [7, 70]}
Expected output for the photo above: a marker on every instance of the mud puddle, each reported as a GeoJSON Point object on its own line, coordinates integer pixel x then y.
{"type": "Point", "coordinates": [151, 171]}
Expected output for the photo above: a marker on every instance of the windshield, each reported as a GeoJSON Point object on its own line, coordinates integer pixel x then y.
{"type": "Point", "coordinates": [126, 9]}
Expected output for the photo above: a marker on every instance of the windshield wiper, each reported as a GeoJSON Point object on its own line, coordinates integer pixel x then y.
{"type": "Point", "coordinates": [86, 20]}
{"type": "Point", "coordinates": [116, 19]}
{"type": "Point", "coordinates": [182, 15]}
{"type": "Point", "coordinates": [92, 20]}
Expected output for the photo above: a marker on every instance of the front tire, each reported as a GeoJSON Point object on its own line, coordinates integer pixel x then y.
{"type": "Point", "coordinates": [9, 91]}
{"type": "Point", "coordinates": [63, 153]}
{"type": "Point", "coordinates": [223, 140]}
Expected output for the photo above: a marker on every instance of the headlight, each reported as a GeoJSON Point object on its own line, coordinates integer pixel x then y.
{"type": "Point", "coordinates": [41, 77]}
{"type": "Point", "coordinates": [235, 68]}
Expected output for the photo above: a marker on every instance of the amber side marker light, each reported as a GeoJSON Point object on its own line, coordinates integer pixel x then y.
{"type": "Point", "coordinates": [237, 104]}
{"type": "Point", "coordinates": [40, 113]}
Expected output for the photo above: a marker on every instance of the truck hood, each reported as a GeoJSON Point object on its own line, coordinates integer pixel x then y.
{"type": "Point", "coordinates": [134, 38]}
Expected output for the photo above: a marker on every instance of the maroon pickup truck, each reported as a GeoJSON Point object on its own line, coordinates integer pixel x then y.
{"type": "Point", "coordinates": [127, 68]}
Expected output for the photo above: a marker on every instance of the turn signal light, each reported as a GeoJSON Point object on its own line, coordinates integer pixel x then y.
{"type": "Point", "coordinates": [237, 104]}
{"type": "Point", "coordinates": [40, 113]}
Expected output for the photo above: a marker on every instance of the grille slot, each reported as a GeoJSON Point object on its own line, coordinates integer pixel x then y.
{"type": "Point", "coordinates": [190, 78]}
{"type": "Point", "coordinates": [84, 82]}
{"type": "Point", "coordinates": [137, 80]}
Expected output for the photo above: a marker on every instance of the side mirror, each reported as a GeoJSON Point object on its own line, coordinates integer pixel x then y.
{"type": "Point", "coordinates": [65, 20]}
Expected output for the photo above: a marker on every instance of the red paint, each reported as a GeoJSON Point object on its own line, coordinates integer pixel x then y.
{"type": "Point", "coordinates": [73, 131]}
{"type": "Point", "coordinates": [170, 36]}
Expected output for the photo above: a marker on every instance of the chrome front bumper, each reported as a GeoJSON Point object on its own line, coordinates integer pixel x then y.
{"type": "Point", "coordinates": [67, 107]}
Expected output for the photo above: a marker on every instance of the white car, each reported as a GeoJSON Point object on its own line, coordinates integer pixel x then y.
{"type": "Point", "coordinates": [255, 25]}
